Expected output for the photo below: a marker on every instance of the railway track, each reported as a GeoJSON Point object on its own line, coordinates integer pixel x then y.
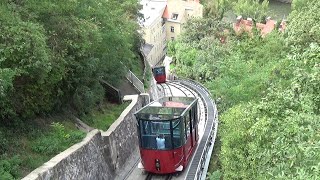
{"type": "Point", "coordinates": [187, 91]}
{"type": "Point", "coordinates": [198, 166]}
{"type": "Point", "coordinates": [151, 176]}
{"type": "Point", "coordinates": [168, 88]}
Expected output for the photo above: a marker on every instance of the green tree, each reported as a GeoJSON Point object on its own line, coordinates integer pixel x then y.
{"type": "Point", "coordinates": [200, 49]}
{"type": "Point", "coordinates": [252, 9]}
{"type": "Point", "coordinates": [216, 8]}
{"type": "Point", "coordinates": [25, 66]}
{"type": "Point", "coordinates": [53, 53]}
{"type": "Point", "coordinates": [303, 26]}
{"type": "Point", "coordinates": [276, 137]}
{"type": "Point", "coordinates": [268, 95]}
{"type": "Point", "coordinates": [247, 8]}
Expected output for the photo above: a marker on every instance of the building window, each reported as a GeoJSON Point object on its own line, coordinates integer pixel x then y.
{"type": "Point", "coordinates": [172, 38]}
{"type": "Point", "coordinates": [172, 29]}
{"type": "Point", "coordinates": [174, 16]}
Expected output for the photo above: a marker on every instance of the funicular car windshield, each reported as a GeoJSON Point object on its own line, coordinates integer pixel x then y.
{"type": "Point", "coordinates": [161, 127]}
{"type": "Point", "coordinates": [159, 70]}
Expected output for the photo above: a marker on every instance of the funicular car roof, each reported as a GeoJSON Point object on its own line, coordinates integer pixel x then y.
{"type": "Point", "coordinates": [159, 67]}
{"type": "Point", "coordinates": [162, 110]}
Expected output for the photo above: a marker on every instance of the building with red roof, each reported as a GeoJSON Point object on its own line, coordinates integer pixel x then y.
{"type": "Point", "coordinates": [241, 25]}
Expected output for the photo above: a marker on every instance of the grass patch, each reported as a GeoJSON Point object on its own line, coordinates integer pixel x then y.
{"type": "Point", "coordinates": [147, 77]}
{"type": "Point", "coordinates": [137, 68]}
{"type": "Point", "coordinates": [103, 117]}
{"type": "Point", "coordinates": [33, 143]}
{"type": "Point", "coordinates": [28, 145]}
{"type": "Point", "coordinates": [57, 140]}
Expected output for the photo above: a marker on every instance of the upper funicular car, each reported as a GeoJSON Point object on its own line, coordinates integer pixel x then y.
{"type": "Point", "coordinates": [159, 73]}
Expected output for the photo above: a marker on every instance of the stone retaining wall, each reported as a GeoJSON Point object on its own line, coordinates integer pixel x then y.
{"type": "Point", "coordinates": [121, 139]}
{"type": "Point", "coordinates": [99, 155]}
{"type": "Point", "coordinates": [153, 91]}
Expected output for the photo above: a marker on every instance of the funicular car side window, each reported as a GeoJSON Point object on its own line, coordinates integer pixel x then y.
{"type": "Point", "coordinates": [187, 125]}
{"type": "Point", "coordinates": [177, 129]}
{"type": "Point", "coordinates": [194, 114]}
{"type": "Point", "coordinates": [191, 118]}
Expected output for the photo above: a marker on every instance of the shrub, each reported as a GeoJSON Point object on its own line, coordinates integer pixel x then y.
{"type": "Point", "coordinates": [57, 140]}
{"type": "Point", "coordinates": [3, 142]}
{"type": "Point", "coordinates": [9, 167]}
{"type": "Point", "coordinates": [216, 175]}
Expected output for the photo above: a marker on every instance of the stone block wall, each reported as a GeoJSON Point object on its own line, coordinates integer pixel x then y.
{"type": "Point", "coordinates": [153, 91]}
{"type": "Point", "coordinates": [99, 155]}
{"type": "Point", "coordinates": [121, 139]}
{"type": "Point", "coordinates": [81, 161]}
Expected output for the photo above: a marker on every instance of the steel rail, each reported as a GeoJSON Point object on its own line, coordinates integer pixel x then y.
{"type": "Point", "coordinates": [163, 90]}
{"type": "Point", "coordinates": [132, 168]}
{"type": "Point", "coordinates": [176, 85]}
{"type": "Point", "coordinates": [168, 87]}
{"type": "Point", "coordinates": [171, 84]}
{"type": "Point", "coordinates": [151, 176]}
{"type": "Point", "coordinates": [199, 163]}
{"type": "Point", "coordinates": [197, 168]}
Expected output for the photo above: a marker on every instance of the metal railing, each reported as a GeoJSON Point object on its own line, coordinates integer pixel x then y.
{"type": "Point", "coordinates": [114, 94]}
{"type": "Point", "coordinates": [135, 81]}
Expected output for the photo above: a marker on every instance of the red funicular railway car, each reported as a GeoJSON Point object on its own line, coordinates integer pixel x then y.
{"type": "Point", "coordinates": [168, 134]}
{"type": "Point", "coordinates": [159, 74]}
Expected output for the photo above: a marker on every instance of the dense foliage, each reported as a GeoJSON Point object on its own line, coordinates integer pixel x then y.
{"type": "Point", "coordinates": [199, 49]}
{"type": "Point", "coordinates": [23, 150]}
{"type": "Point", "coordinates": [277, 136]}
{"type": "Point", "coordinates": [53, 53]}
{"type": "Point", "coordinates": [256, 9]}
{"type": "Point", "coordinates": [268, 91]}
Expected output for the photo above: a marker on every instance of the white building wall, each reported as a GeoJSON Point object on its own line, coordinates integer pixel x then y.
{"type": "Point", "coordinates": [153, 30]}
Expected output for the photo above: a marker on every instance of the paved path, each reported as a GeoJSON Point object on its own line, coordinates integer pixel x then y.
{"type": "Point", "coordinates": [126, 88]}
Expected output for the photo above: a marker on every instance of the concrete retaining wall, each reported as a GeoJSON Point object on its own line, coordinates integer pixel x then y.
{"type": "Point", "coordinates": [153, 89]}
{"type": "Point", "coordinates": [99, 155]}
{"type": "Point", "coordinates": [121, 139]}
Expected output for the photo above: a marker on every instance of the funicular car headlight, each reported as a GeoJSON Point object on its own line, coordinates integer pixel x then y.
{"type": "Point", "coordinates": [157, 164]}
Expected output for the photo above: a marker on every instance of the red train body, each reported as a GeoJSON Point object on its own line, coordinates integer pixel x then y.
{"type": "Point", "coordinates": [178, 128]}
{"type": "Point", "coordinates": [159, 74]}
